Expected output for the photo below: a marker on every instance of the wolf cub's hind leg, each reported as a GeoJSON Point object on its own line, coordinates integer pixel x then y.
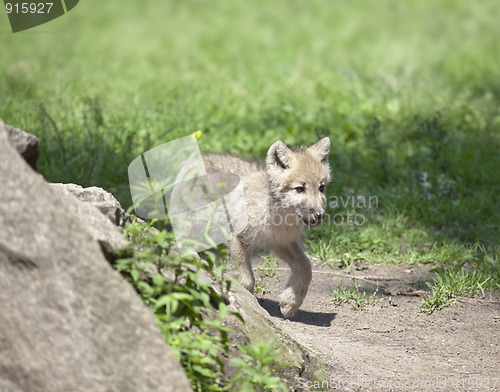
{"type": "Point", "coordinates": [298, 283]}
{"type": "Point", "coordinates": [240, 254]}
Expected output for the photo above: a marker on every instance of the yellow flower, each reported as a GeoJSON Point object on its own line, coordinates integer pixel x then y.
{"type": "Point", "coordinates": [197, 134]}
{"type": "Point", "coordinates": [176, 342]}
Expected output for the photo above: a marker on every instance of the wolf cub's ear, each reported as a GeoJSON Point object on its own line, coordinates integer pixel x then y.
{"type": "Point", "coordinates": [278, 155]}
{"type": "Point", "coordinates": [320, 150]}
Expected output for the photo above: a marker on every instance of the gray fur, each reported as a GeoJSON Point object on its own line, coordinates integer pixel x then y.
{"type": "Point", "coordinates": [278, 211]}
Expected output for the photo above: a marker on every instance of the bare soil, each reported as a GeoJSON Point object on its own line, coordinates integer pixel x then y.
{"type": "Point", "coordinates": [390, 344]}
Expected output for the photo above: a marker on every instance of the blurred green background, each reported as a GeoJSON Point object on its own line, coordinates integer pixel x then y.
{"type": "Point", "coordinates": [408, 91]}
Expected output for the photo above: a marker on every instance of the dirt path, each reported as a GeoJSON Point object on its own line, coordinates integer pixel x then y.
{"type": "Point", "coordinates": [391, 344]}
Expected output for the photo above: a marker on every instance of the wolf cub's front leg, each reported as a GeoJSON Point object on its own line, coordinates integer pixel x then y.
{"type": "Point", "coordinates": [239, 253]}
{"type": "Point", "coordinates": [298, 283]}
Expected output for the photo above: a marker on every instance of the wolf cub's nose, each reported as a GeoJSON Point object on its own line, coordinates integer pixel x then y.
{"type": "Point", "coordinates": [319, 216]}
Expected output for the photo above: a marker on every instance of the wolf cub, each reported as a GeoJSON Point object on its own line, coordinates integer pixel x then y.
{"type": "Point", "coordinates": [282, 195]}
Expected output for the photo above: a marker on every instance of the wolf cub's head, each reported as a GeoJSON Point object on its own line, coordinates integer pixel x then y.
{"type": "Point", "coordinates": [298, 179]}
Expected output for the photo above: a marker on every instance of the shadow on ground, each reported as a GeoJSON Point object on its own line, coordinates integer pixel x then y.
{"type": "Point", "coordinates": [318, 319]}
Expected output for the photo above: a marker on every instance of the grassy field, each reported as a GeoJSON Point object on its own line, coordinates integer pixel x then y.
{"type": "Point", "coordinates": [408, 92]}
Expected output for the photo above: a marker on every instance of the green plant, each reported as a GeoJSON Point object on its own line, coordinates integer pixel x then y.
{"type": "Point", "coordinates": [438, 300]}
{"type": "Point", "coordinates": [267, 267]}
{"type": "Point", "coordinates": [376, 150]}
{"type": "Point", "coordinates": [488, 262]}
{"type": "Point", "coordinates": [190, 311]}
{"type": "Point", "coordinates": [449, 283]}
{"type": "Point", "coordinates": [358, 299]}
{"type": "Point", "coordinates": [321, 248]}
{"type": "Point", "coordinates": [181, 303]}
{"type": "Point", "coordinates": [256, 367]}
{"type": "Point", "coordinates": [260, 287]}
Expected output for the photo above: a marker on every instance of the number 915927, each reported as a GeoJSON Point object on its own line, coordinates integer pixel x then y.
{"type": "Point", "coordinates": [28, 8]}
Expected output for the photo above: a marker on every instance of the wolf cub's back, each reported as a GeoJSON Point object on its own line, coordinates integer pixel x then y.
{"type": "Point", "coordinates": [232, 164]}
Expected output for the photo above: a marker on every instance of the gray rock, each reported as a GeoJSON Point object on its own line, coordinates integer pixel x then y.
{"type": "Point", "coordinates": [99, 198]}
{"type": "Point", "coordinates": [93, 220]}
{"type": "Point", "coordinates": [69, 322]}
{"type": "Point", "coordinates": [25, 143]}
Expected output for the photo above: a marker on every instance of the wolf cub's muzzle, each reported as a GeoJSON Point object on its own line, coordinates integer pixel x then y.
{"type": "Point", "coordinates": [314, 219]}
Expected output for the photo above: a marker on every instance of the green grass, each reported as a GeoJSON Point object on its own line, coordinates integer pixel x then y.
{"type": "Point", "coordinates": [354, 296]}
{"type": "Point", "coordinates": [452, 283]}
{"type": "Point", "coordinates": [408, 93]}
{"type": "Point", "coordinates": [266, 269]}
{"type": "Point", "coordinates": [467, 278]}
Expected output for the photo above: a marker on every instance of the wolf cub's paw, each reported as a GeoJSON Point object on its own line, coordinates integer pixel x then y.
{"type": "Point", "coordinates": [288, 310]}
{"type": "Point", "coordinates": [247, 282]}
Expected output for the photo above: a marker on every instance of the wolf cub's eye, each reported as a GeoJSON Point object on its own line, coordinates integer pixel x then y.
{"type": "Point", "coordinates": [321, 188]}
{"type": "Point", "coordinates": [300, 189]}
